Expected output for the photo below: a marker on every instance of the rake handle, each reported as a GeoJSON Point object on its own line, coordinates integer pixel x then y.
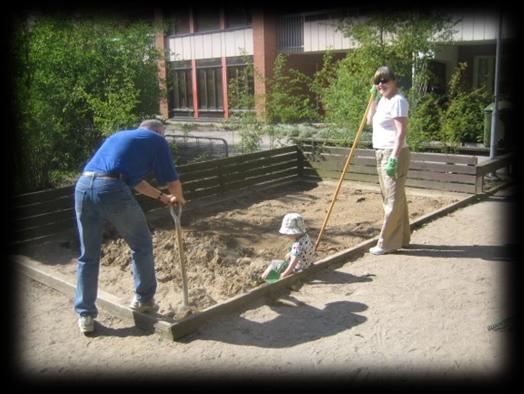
{"type": "Point", "coordinates": [346, 167]}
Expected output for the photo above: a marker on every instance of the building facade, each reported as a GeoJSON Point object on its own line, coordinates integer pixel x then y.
{"type": "Point", "coordinates": [208, 48]}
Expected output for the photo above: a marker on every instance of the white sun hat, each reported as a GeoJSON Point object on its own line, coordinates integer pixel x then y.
{"type": "Point", "coordinates": [293, 223]}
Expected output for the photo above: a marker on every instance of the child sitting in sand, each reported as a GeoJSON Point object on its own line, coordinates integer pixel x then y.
{"type": "Point", "coordinates": [300, 255]}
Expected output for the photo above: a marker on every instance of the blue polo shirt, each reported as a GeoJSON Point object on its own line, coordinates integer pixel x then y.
{"type": "Point", "coordinates": [134, 154]}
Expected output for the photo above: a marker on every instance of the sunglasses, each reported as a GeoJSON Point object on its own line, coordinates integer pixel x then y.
{"type": "Point", "coordinates": [382, 81]}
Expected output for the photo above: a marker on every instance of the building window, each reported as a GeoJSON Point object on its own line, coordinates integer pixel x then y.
{"type": "Point", "coordinates": [240, 83]}
{"type": "Point", "coordinates": [290, 34]}
{"type": "Point", "coordinates": [484, 72]}
{"type": "Point", "coordinates": [181, 91]}
{"type": "Point", "coordinates": [209, 82]}
{"type": "Point", "coordinates": [437, 83]}
{"type": "Point", "coordinates": [178, 23]}
{"type": "Point", "coordinates": [207, 20]}
{"type": "Point", "coordinates": [237, 17]}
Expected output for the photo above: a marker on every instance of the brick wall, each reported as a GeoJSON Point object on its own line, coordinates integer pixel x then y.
{"type": "Point", "coordinates": [162, 72]}
{"type": "Point", "coordinates": [264, 53]}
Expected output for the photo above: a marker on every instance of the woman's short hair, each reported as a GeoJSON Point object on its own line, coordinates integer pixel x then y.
{"type": "Point", "coordinates": [384, 73]}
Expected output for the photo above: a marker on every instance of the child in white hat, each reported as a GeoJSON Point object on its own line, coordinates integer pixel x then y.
{"type": "Point", "coordinates": [301, 252]}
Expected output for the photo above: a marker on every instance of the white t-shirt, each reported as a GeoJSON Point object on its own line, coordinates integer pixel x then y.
{"type": "Point", "coordinates": [384, 130]}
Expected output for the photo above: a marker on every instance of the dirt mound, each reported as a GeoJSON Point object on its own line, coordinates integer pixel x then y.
{"type": "Point", "coordinates": [225, 243]}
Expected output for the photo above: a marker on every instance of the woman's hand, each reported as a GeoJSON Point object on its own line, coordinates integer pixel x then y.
{"type": "Point", "coordinates": [375, 93]}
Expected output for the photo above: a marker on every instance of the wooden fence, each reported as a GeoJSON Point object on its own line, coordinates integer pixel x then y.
{"type": "Point", "coordinates": [449, 172]}
{"type": "Point", "coordinates": [39, 216]}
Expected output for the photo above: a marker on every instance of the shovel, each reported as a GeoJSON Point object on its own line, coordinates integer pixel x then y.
{"type": "Point", "coordinates": [178, 227]}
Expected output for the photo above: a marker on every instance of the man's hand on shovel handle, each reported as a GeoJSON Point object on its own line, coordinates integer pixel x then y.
{"type": "Point", "coordinates": [169, 199]}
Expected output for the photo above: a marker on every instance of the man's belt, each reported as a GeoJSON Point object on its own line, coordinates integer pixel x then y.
{"type": "Point", "coordinates": [111, 175]}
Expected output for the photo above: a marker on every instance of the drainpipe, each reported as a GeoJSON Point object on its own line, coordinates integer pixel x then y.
{"type": "Point", "coordinates": [223, 59]}
{"type": "Point", "coordinates": [194, 86]}
{"type": "Point", "coordinates": [494, 114]}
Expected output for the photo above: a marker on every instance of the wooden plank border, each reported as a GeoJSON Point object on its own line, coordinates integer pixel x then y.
{"type": "Point", "coordinates": [176, 329]}
{"type": "Point", "coordinates": [105, 301]}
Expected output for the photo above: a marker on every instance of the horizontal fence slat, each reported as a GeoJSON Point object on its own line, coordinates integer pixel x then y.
{"type": "Point", "coordinates": [235, 159]}
{"type": "Point", "coordinates": [42, 196]}
{"type": "Point", "coordinates": [196, 175]}
{"type": "Point", "coordinates": [263, 174]}
{"type": "Point", "coordinates": [444, 158]}
{"type": "Point", "coordinates": [442, 176]}
{"type": "Point", "coordinates": [264, 161]}
{"type": "Point", "coordinates": [199, 183]}
{"type": "Point", "coordinates": [62, 202]}
{"type": "Point", "coordinates": [430, 157]}
{"type": "Point", "coordinates": [446, 186]}
{"type": "Point", "coordinates": [48, 229]}
{"type": "Point", "coordinates": [362, 160]}
{"type": "Point", "coordinates": [44, 219]}
{"type": "Point", "coordinates": [224, 169]}
{"type": "Point", "coordinates": [263, 179]}
{"type": "Point", "coordinates": [339, 166]}
{"type": "Point", "coordinates": [338, 151]}
{"type": "Point", "coordinates": [440, 167]}
{"type": "Point", "coordinates": [348, 176]}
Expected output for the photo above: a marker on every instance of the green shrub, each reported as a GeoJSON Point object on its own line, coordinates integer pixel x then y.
{"type": "Point", "coordinates": [424, 122]}
{"type": "Point", "coordinates": [289, 99]}
{"type": "Point", "coordinates": [78, 79]}
{"type": "Point", "coordinates": [463, 119]}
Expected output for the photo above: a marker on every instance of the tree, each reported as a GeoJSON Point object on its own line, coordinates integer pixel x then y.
{"type": "Point", "coordinates": [78, 80]}
{"type": "Point", "coordinates": [288, 99]}
{"type": "Point", "coordinates": [405, 41]}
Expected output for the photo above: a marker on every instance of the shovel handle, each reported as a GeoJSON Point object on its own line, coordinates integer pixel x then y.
{"type": "Point", "coordinates": [176, 218]}
{"type": "Point", "coordinates": [176, 215]}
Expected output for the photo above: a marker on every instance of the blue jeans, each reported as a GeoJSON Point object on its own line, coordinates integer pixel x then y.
{"type": "Point", "coordinates": [98, 200]}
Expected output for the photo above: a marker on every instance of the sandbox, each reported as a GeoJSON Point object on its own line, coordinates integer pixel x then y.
{"type": "Point", "coordinates": [229, 235]}
{"type": "Point", "coordinates": [225, 242]}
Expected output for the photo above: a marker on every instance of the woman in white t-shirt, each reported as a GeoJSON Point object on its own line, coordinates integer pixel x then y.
{"type": "Point", "coordinates": [389, 115]}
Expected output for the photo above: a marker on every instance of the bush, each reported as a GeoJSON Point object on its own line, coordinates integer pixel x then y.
{"type": "Point", "coordinates": [289, 99]}
{"type": "Point", "coordinates": [463, 120]}
{"type": "Point", "coordinates": [424, 122]}
{"type": "Point", "coordinates": [78, 80]}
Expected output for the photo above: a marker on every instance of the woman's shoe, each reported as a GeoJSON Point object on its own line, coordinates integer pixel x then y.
{"type": "Point", "coordinates": [377, 250]}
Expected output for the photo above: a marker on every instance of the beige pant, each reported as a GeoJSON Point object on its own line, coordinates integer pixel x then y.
{"type": "Point", "coordinates": [395, 232]}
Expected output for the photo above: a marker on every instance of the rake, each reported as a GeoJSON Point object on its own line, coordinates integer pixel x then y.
{"type": "Point", "coordinates": [346, 167]}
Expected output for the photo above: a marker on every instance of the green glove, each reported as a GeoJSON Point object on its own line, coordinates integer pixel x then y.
{"type": "Point", "coordinates": [375, 93]}
{"type": "Point", "coordinates": [391, 166]}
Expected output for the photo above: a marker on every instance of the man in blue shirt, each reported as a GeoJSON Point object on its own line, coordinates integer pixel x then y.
{"type": "Point", "coordinates": [104, 192]}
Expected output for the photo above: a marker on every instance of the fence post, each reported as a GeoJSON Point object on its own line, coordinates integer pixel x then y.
{"type": "Point", "coordinates": [479, 184]}
{"type": "Point", "coordinates": [300, 161]}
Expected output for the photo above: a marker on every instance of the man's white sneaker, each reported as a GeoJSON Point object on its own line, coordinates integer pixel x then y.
{"type": "Point", "coordinates": [144, 307]}
{"type": "Point", "coordinates": [86, 324]}
{"type": "Point", "coordinates": [378, 250]}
